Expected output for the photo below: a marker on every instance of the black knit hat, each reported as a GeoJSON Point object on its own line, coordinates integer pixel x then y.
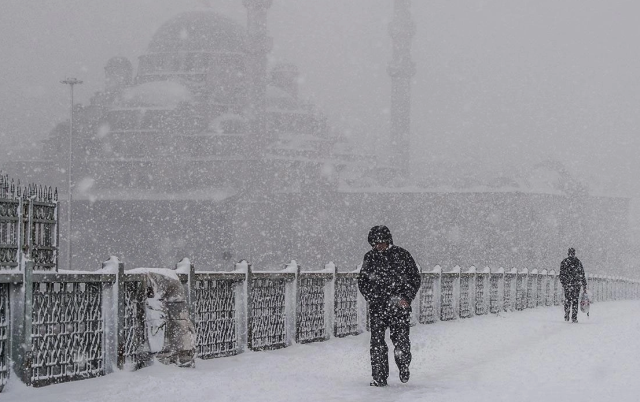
{"type": "Point", "coordinates": [572, 251]}
{"type": "Point", "coordinates": [379, 234]}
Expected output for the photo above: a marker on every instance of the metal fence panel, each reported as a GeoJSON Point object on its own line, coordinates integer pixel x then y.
{"type": "Point", "coordinates": [532, 287]}
{"type": "Point", "coordinates": [447, 294]}
{"type": "Point", "coordinates": [427, 300]}
{"type": "Point", "coordinates": [9, 233]}
{"type": "Point", "coordinates": [510, 297]}
{"type": "Point", "coordinates": [268, 327]}
{"type": "Point", "coordinates": [496, 303]}
{"type": "Point", "coordinates": [135, 352]}
{"type": "Point", "coordinates": [558, 293]}
{"type": "Point", "coordinates": [215, 318]}
{"type": "Point", "coordinates": [311, 325]}
{"type": "Point", "coordinates": [346, 306]}
{"type": "Point", "coordinates": [4, 334]}
{"type": "Point", "coordinates": [548, 290]}
{"type": "Point", "coordinates": [67, 332]}
{"type": "Point", "coordinates": [465, 296]}
{"type": "Point", "coordinates": [540, 289]}
{"type": "Point", "coordinates": [43, 241]}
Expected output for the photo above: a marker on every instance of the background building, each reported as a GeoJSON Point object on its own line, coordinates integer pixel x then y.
{"type": "Point", "coordinates": [203, 151]}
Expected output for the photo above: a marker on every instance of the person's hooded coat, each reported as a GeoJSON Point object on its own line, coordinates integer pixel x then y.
{"type": "Point", "coordinates": [572, 273]}
{"type": "Point", "coordinates": [389, 273]}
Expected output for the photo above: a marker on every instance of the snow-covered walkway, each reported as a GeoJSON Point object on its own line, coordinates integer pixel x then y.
{"type": "Point", "coordinates": [522, 356]}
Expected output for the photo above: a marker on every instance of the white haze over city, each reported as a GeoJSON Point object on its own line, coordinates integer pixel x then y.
{"type": "Point", "coordinates": [499, 83]}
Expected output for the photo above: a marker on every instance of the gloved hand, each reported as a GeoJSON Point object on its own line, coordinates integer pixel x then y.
{"type": "Point", "coordinates": [399, 301]}
{"type": "Point", "coordinates": [404, 303]}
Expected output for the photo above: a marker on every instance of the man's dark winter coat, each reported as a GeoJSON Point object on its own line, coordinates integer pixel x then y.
{"type": "Point", "coordinates": [385, 278]}
{"type": "Point", "coordinates": [388, 273]}
{"type": "Point", "coordinates": [572, 273]}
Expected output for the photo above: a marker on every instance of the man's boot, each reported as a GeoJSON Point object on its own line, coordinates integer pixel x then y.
{"type": "Point", "coordinates": [404, 373]}
{"type": "Point", "coordinates": [403, 366]}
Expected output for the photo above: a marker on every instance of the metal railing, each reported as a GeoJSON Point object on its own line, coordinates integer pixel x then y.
{"type": "Point", "coordinates": [65, 326]}
{"type": "Point", "coordinates": [28, 225]}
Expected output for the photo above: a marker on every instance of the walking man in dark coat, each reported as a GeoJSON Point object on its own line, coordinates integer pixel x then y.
{"type": "Point", "coordinates": [388, 280]}
{"type": "Point", "coordinates": [572, 278]}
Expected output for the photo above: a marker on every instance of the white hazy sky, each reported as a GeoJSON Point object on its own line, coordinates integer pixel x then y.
{"type": "Point", "coordinates": [499, 83]}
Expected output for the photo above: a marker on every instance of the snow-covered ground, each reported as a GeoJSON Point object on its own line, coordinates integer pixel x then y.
{"type": "Point", "coordinates": [525, 356]}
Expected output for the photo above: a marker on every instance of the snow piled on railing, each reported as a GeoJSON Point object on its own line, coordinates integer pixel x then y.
{"type": "Point", "coordinates": [111, 265]}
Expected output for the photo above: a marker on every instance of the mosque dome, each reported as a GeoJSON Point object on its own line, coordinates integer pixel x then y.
{"type": "Point", "coordinates": [198, 31]}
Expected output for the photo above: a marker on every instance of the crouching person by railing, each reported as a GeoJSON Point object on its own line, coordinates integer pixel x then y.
{"type": "Point", "coordinates": [171, 331]}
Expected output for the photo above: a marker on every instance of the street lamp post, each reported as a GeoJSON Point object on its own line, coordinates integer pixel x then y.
{"type": "Point", "coordinates": [71, 82]}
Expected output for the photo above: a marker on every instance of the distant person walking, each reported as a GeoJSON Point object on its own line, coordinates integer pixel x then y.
{"type": "Point", "coordinates": [388, 280]}
{"type": "Point", "coordinates": [572, 278]}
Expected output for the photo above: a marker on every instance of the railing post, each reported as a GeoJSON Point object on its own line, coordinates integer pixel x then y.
{"type": "Point", "coordinates": [334, 328]}
{"type": "Point", "coordinates": [329, 300]}
{"type": "Point", "coordinates": [185, 266]}
{"type": "Point", "coordinates": [437, 293]}
{"type": "Point", "coordinates": [296, 305]}
{"type": "Point", "coordinates": [56, 242]}
{"type": "Point", "coordinates": [362, 305]}
{"type": "Point", "coordinates": [19, 234]}
{"type": "Point", "coordinates": [28, 235]}
{"type": "Point", "coordinates": [242, 295]}
{"type": "Point", "coordinates": [292, 293]}
{"type": "Point", "coordinates": [22, 352]}
{"type": "Point", "coordinates": [120, 295]}
{"type": "Point", "coordinates": [416, 303]}
{"type": "Point", "coordinates": [112, 314]}
{"type": "Point", "coordinates": [542, 288]}
{"type": "Point", "coordinates": [250, 306]}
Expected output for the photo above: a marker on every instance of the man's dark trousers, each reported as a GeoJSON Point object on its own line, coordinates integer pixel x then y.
{"type": "Point", "coordinates": [397, 319]}
{"type": "Point", "coordinates": [571, 295]}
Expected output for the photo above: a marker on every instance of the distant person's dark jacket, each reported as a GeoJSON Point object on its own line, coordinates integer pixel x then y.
{"type": "Point", "coordinates": [388, 274]}
{"type": "Point", "coordinates": [572, 273]}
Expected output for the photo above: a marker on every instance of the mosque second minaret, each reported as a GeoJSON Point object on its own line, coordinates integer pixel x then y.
{"type": "Point", "coordinates": [401, 70]}
{"type": "Point", "coordinates": [259, 44]}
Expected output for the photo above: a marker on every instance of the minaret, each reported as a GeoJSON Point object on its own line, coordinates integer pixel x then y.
{"type": "Point", "coordinates": [258, 46]}
{"type": "Point", "coordinates": [401, 70]}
